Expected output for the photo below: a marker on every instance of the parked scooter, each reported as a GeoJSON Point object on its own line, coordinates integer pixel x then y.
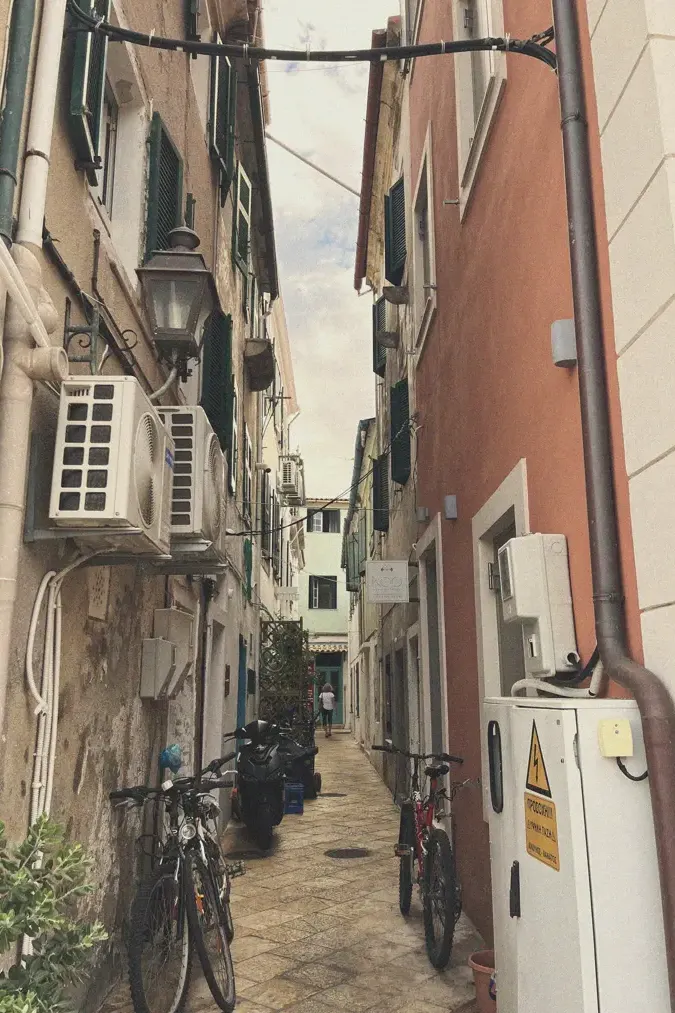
{"type": "Point", "coordinates": [299, 762]}
{"type": "Point", "coordinates": [259, 795]}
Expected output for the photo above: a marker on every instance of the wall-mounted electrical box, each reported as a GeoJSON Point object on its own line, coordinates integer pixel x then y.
{"type": "Point", "coordinates": [578, 922]}
{"type": "Point", "coordinates": [535, 591]}
{"type": "Point", "coordinates": [177, 626]}
{"type": "Point", "coordinates": [158, 667]}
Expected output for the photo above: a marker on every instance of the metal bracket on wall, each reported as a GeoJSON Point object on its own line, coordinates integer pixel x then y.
{"type": "Point", "coordinates": [89, 331]}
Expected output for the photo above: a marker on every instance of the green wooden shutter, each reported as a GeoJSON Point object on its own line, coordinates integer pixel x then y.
{"type": "Point", "coordinates": [222, 117]}
{"type": "Point", "coordinates": [394, 233]}
{"type": "Point", "coordinates": [380, 494]}
{"type": "Point", "coordinates": [363, 542]}
{"type": "Point", "coordinates": [193, 10]}
{"type": "Point", "coordinates": [353, 581]}
{"type": "Point", "coordinates": [216, 399]}
{"type": "Point", "coordinates": [379, 351]}
{"type": "Point", "coordinates": [400, 433]}
{"type": "Point", "coordinates": [87, 91]}
{"type": "Point", "coordinates": [165, 188]}
{"type": "Point", "coordinates": [248, 568]}
{"type": "Point", "coordinates": [241, 233]}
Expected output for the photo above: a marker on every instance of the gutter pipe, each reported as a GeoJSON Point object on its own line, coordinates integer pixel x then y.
{"type": "Point", "coordinates": [378, 40]}
{"type": "Point", "coordinates": [19, 49]}
{"type": "Point", "coordinates": [655, 703]}
{"type": "Point", "coordinates": [258, 121]}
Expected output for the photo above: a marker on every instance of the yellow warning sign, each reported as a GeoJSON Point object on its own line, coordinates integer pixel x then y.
{"type": "Point", "coordinates": [541, 831]}
{"type": "Point", "coordinates": [537, 778]}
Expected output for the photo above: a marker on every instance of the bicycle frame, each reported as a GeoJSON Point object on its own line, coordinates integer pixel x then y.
{"type": "Point", "coordinates": [424, 811]}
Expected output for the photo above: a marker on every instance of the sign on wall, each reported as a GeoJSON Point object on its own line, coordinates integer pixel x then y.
{"type": "Point", "coordinates": [387, 581]}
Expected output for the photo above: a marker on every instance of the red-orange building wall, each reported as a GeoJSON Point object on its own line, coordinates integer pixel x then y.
{"type": "Point", "coordinates": [488, 393]}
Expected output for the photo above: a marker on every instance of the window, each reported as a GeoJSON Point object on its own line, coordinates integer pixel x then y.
{"type": "Point", "coordinates": [247, 504]}
{"type": "Point", "coordinates": [109, 154]}
{"type": "Point", "coordinates": [192, 19]}
{"type": "Point", "coordinates": [388, 693]}
{"type": "Point", "coordinates": [217, 395]}
{"type": "Point", "coordinates": [241, 232]}
{"type": "Point", "coordinates": [266, 523]}
{"type": "Point", "coordinates": [222, 116]}
{"type": "Point", "coordinates": [248, 568]}
{"type": "Point", "coordinates": [326, 521]}
{"type": "Point", "coordinates": [87, 92]}
{"type": "Point", "coordinates": [226, 688]}
{"type": "Point", "coordinates": [394, 233]}
{"type": "Point", "coordinates": [323, 592]}
{"type": "Point", "coordinates": [424, 253]}
{"type": "Point", "coordinates": [362, 542]}
{"type": "Point", "coordinates": [233, 456]}
{"type": "Point", "coordinates": [165, 188]}
{"type": "Point", "coordinates": [352, 561]}
{"type": "Point", "coordinates": [400, 433]}
{"type": "Point", "coordinates": [479, 80]}
{"type": "Point", "coordinates": [379, 351]}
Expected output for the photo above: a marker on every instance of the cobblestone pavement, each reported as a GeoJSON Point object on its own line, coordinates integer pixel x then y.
{"type": "Point", "coordinates": [315, 934]}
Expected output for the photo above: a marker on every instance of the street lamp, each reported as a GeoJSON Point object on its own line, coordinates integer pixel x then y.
{"type": "Point", "coordinates": [179, 294]}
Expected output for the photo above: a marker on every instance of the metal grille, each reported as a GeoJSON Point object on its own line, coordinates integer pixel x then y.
{"type": "Point", "coordinates": [182, 500]}
{"type": "Point", "coordinates": [86, 451]}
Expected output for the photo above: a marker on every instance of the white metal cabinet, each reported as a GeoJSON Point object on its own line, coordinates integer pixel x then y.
{"type": "Point", "coordinates": [589, 935]}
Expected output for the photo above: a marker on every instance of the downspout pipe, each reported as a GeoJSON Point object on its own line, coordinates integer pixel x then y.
{"type": "Point", "coordinates": [18, 62]}
{"type": "Point", "coordinates": [655, 703]}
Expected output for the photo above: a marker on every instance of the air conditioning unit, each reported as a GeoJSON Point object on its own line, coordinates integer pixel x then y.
{"type": "Point", "coordinates": [113, 467]}
{"type": "Point", "coordinates": [198, 491]}
{"type": "Point", "coordinates": [292, 480]}
{"type": "Point", "coordinates": [385, 323]}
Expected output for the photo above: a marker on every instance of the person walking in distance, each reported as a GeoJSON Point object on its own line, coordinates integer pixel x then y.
{"type": "Point", "coordinates": [327, 704]}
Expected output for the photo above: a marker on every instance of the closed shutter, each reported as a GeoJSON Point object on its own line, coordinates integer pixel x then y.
{"type": "Point", "coordinates": [233, 448]}
{"type": "Point", "coordinates": [312, 586]}
{"type": "Point", "coordinates": [380, 494]}
{"type": "Point", "coordinates": [363, 542]}
{"type": "Point", "coordinates": [379, 351]}
{"type": "Point", "coordinates": [165, 188]}
{"type": "Point", "coordinates": [192, 17]}
{"type": "Point", "coordinates": [87, 90]}
{"type": "Point", "coordinates": [353, 582]}
{"type": "Point", "coordinates": [241, 231]}
{"type": "Point", "coordinates": [248, 568]}
{"type": "Point", "coordinates": [216, 399]}
{"type": "Point", "coordinates": [222, 116]}
{"type": "Point", "coordinates": [400, 433]}
{"type": "Point", "coordinates": [394, 233]}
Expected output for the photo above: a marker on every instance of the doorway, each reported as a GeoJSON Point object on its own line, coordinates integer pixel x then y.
{"type": "Point", "coordinates": [329, 669]}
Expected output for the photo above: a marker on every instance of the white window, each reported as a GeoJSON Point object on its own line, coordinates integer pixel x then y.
{"type": "Point", "coordinates": [322, 592]}
{"type": "Point", "coordinates": [424, 248]}
{"type": "Point", "coordinates": [317, 522]}
{"type": "Point", "coordinates": [109, 154]}
{"type": "Point", "coordinates": [479, 80]}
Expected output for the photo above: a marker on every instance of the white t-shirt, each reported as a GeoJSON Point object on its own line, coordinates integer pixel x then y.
{"type": "Point", "coordinates": [327, 701]}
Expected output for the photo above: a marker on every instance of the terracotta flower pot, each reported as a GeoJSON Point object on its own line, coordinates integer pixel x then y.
{"type": "Point", "coordinates": [483, 966]}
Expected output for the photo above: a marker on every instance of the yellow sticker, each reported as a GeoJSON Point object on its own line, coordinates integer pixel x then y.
{"type": "Point", "coordinates": [537, 778]}
{"type": "Point", "coordinates": [541, 830]}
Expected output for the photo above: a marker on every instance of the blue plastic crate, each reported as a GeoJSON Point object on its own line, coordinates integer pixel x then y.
{"type": "Point", "coordinates": [294, 798]}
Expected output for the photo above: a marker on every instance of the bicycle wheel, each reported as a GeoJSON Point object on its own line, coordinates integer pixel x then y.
{"type": "Point", "coordinates": [406, 838]}
{"type": "Point", "coordinates": [221, 878]}
{"type": "Point", "coordinates": [439, 898]}
{"type": "Point", "coordinates": [207, 926]}
{"type": "Point", "coordinates": [160, 954]}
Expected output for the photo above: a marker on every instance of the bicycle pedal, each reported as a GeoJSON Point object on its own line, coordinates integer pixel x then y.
{"type": "Point", "coordinates": [235, 869]}
{"type": "Point", "coordinates": [402, 851]}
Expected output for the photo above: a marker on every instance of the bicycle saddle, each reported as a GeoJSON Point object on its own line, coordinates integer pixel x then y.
{"type": "Point", "coordinates": [437, 770]}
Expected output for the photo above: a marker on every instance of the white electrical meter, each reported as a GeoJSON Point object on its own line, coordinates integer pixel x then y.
{"type": "Point", "coordinates": [535, 591]}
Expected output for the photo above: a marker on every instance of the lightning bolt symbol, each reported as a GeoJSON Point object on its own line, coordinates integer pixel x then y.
{"type": "Point", "coordinates": [535, 764]}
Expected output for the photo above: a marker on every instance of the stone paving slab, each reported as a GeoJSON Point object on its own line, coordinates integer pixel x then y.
{"type": "Point", "coordinates": [315, 934]}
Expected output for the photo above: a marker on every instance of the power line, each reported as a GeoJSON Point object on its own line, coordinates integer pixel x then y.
{"type": "Point", "coordinates": [527, 47]}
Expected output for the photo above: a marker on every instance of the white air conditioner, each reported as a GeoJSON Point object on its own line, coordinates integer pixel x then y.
{"type": "Point", "coordinates": [113, 467]}
{"type": "Point", "coordinates": [386, 323]}
{"type": "Point", "coordinates": [292, 480]}
{"type": "Point", "coordinates": [197, 502]}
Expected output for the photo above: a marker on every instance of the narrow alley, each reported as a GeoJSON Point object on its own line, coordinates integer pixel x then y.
{"type": "Point", "coordinates": [315, 933]}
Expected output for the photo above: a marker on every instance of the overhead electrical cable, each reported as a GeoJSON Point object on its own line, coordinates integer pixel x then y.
{"type": "Point", "coordinates": [527, 47]}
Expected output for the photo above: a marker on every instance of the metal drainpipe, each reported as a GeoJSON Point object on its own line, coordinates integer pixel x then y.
{"type": "Point", "coordinates": [19, 46]}
{"type": "Point", "coordinates": [653, 699]}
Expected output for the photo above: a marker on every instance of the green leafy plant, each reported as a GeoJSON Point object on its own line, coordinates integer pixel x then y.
{"type": "Point", "coordinates": [41, 881]}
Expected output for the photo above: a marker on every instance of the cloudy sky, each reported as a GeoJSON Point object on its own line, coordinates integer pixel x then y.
{"type": "Point", "coordinates": [319, 110]}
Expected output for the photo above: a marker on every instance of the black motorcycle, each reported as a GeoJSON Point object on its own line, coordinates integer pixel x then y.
{"type": "Point", "coordinates": [299, 763]}
{"type": "Point", "coordinates": [259, 795]}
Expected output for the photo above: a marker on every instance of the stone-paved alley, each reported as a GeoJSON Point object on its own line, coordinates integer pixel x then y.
{"type": "Point", "coordinates": [314, 934]}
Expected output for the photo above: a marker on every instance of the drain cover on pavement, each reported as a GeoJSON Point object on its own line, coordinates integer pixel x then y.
{"type": "Point", "coordinates": [333, 794]}
{"type": "Point", "coordinates": [235, 856]}
{"type": "Point", "coordinates": [347, 853]}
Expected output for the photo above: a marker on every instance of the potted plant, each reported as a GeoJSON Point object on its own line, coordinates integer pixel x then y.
{"type": "Point", "coordinates": [41, 881]}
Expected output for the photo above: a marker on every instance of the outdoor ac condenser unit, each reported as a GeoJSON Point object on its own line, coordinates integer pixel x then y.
{"type": "Point", "coordinates": [198, 490]}
{"type": "Point", "coordinates": [113, 467]}
{"type": "Point", "coordinates": [290, 478]}
{"type": "Point", "coordinates": [578, 921]}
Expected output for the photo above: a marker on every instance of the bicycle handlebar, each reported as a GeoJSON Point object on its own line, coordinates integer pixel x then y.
{"type": "Point", "coordinates": [447, 757]}
{"type": "Point", "coordinates": [141, 792]}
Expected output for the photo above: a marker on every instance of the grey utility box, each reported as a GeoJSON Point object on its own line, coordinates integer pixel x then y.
{"type": "Point", "coordinates": [158, 667]}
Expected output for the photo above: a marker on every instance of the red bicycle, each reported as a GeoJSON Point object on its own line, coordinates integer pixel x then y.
{"type": "Point", "coordinates": [426, 854]}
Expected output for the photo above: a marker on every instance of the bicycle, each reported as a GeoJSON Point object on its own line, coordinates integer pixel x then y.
{"type": "Point", "coordinates": [427, 849]}
{"type": "Point", "coordinates": [185, 901]}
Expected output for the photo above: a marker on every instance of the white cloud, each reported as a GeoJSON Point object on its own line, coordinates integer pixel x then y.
{"type": "Point", "coordinates": [320, 111]}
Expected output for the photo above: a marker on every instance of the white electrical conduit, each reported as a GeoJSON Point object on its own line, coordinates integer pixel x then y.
{"type": "Point", "coordinates": [165, 386]}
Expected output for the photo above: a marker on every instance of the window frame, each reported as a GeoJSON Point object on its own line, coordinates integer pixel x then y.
{"type": "Point", "coordinates": [223, 78]}
{"type": "Point", "coordinates": [158, 130]}
{"type": "Point", "coordinates": [315, 588]}
{"type": "Point", "coordinates": [425, 300]}
{"type": "Point", "coordinates": [239, 212]}
{"type": "Point", "coordinates": [108, 146]}
{"type": "Point", "coordinates": [473, 131]}
{"type": "Point", "coordinates": [247, 489]}
{"type": "Point", "coordinates": [233, 462]}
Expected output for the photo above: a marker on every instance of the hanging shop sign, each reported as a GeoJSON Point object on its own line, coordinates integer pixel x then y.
{"type": "Point", "coordinates": [387, 581]}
